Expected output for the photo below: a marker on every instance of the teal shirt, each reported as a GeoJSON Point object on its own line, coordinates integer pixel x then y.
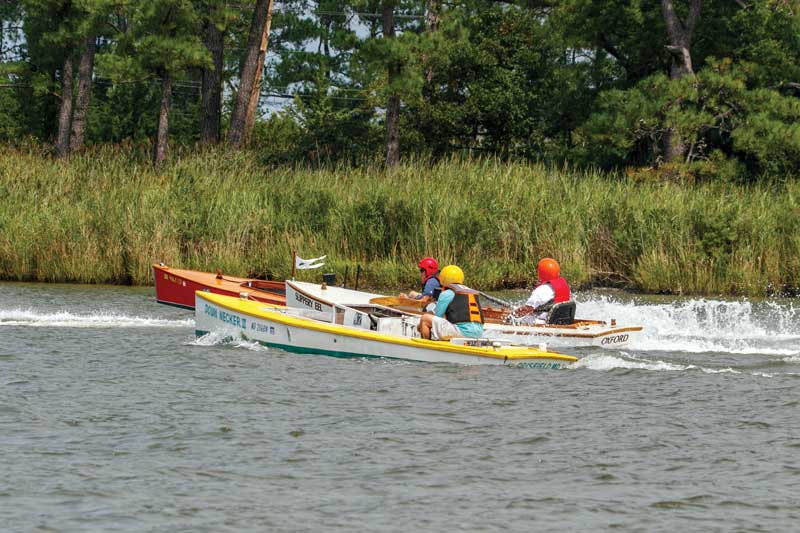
{"type": "Point", "coordinates": [468, 329]}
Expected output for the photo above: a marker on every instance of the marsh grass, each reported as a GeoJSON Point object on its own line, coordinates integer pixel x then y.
{"type": "Point", "coordinates": [106, 215]}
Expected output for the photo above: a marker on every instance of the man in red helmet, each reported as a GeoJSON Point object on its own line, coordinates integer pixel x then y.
{"type": "Point", "coordinates": [429, 275]}
{"type": "Point", "coordinates": [552, 289]}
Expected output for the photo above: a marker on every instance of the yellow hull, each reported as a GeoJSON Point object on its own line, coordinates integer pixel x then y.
{"type": "Point", "coordinates": [283, 328]}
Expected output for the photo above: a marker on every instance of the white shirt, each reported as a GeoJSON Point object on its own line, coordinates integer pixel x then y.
{"type": "Point", "coordinates": [541, 295]}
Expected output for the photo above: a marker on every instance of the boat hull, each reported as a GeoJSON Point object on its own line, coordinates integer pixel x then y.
{"type": "Point", "coordinates": [277, 327]}
{"type": "Point", "coordinates": [176, 287]}
{"type": "Point", "coordinates": [589, 334]}
{"type": "Point", "coordinates": [580, 334]}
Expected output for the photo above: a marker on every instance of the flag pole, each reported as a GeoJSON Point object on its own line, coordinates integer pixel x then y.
{"type": "Point", "coordinates": [294, 263]}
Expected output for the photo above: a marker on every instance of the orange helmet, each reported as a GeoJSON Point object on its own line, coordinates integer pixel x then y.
{"type": "Point", "coordinates": [548, 269]}
{"type": "Point", "coordinates": [429, 265]}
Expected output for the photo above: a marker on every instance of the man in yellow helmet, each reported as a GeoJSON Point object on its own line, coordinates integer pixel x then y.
{"type": "Point", "coordinates": [458, 310]}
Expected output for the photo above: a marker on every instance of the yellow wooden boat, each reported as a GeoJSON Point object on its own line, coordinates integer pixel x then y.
{"type": "Point", "coordinates": [361, 332]}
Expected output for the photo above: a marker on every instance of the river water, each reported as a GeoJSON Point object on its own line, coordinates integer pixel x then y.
{"type": "Point", "coordinates": [114, 418]}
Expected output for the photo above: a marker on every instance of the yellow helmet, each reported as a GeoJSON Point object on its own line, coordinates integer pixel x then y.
{"type": "Point", "coordinates": [451, 274]}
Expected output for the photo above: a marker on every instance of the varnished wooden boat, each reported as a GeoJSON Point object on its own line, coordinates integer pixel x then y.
{"type": "Point", "coordinates": [176, 286]}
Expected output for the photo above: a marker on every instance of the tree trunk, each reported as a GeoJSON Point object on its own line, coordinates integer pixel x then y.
{"type": "Point", "coordinates": [160, 147]}
{"type": "Point", "coordinates": [65, 111]}
{"type": "Point", "coordinates": [212, 87]}
{"type": "Point", "coordinates": [84, 95]}
{"type": "Point", "coordinates": [255, 93]}
{"type": "Point", "coordinates": [680, 35]}
{"type": "Point", "coordinates": [237, 132]}
{"type": "Point", "coordinates": [393, 103]}
{"type": "Point", "coordinates": [432, 18]}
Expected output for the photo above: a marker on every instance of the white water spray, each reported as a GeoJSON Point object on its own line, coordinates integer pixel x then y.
{"type": "Point", "coordinates": [701, 325]}
{"type": "Point", "coordinates": [65, 319]}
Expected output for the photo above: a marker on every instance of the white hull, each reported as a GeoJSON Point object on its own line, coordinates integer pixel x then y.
{"type": "Point", "coordinates": [581, 336]}
{"type": "Point", "coordinates": [283, 328]}
{"type": "Point", "coordinates": [584, 334]}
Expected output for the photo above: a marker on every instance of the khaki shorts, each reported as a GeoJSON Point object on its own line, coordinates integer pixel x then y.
{"type": "Point", "coordinates": [444, 330]}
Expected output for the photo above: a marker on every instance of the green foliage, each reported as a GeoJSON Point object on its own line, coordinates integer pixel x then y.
{"type": "Point", "coordinates": [767, 35]}
{"type": "Point", "coordinates": [630, 32]}
{"type": "Point", "coordinates": [769, 134]}
{"type": "Point", "coordinates": [626, 127]}
{"type": "Point", "coordinates": [333, 129]}
{"type": "Point", "coordinates": [308, 211]}
{"type": "Point", "coordinates": [504, 80]}
{"type": "Point", "coordinates": [104, 216]}
{"type": "Point", "coordinates": [577, 81]}
{"type": "Point", "coordinates": [716, 113]}
{"type": "Point", "coordinates": [719, 167]}
{"type": "Point", "coordinates": [12, 125]}
{"type": "Point", "coordinates": [161, 37]}
{"type": "Point", "coordinates": [277, 138]}
{"type": "Point", "coordinates": [716, 232]}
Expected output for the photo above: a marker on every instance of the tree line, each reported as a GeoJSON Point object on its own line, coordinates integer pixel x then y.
{"type": "Point", "coordinates": [704, 89]}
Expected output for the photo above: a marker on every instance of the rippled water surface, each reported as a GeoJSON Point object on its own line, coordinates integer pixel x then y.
{"type": "Point", "coordinates": [114, 418]}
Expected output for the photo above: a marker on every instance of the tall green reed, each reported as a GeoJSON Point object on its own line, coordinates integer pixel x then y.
{"type": "Point", "coordinates": [106, 215]}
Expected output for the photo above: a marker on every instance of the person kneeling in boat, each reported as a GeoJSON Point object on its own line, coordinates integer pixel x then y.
{"type": "Point", "coordinates": [431, 284]}
{"type": "Point", "coordinates": [458, 310]}
{"type": "Point", "coordinates": [552, 289]}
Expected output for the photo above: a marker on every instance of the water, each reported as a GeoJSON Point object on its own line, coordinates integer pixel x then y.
{"type": "Point", "coordinates": [114, 418]}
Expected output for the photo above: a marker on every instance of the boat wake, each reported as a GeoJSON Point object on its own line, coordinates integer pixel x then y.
{"type": "Point", "coordinates": [232, 338]}
{"type": "Point", "coordinates": [608, 362]}
{"type": "Point", "coordinates": [65, 319]}
{"type": "Point", "coordinates": [704, 326]}
{"type": "Point", "coordinates": [603, 362]}
{"type": "Point", "coordinates": [613, 362]}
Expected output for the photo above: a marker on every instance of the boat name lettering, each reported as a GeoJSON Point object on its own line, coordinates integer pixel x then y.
{"type": "Point", "coordinates": [554, 366]}
{"type": "Point", "coordinates": [173, 279]}
{"type": "Point", "coordinates": [233, 320]}
{"type": "Point", "coordinates": [615, 339]}
{"type": "Point", "coordinates": [308, 302]}
{"type": "Point", "coordinates": [210, 310]}
{"type": "Point", "coordinates": [262, 328]}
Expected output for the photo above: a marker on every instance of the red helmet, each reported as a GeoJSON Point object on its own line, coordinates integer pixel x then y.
{"type": "Point", "coordinates": [429, 265]}
{"type": "Point", "coordinates": [548, 270]}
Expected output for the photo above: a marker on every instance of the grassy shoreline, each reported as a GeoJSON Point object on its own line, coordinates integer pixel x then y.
{"type": "Point", "coordinates": [106, 215]}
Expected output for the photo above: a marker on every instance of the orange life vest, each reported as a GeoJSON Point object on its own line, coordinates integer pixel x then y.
{"type": "Point", "coordinates": [465, 307]}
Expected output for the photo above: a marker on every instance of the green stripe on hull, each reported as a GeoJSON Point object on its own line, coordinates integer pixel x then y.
{"type": "Point", "coordinates": [309, 351]}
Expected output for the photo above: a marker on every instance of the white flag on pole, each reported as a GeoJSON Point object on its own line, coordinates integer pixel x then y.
{"type": "Point", "coordinates": [305, 264]}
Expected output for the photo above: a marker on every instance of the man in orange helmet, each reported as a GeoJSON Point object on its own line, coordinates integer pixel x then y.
{"type": "Point", "coordinates": [552, 289]}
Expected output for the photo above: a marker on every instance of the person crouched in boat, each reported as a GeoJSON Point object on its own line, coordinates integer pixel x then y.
{"type": "Point", "coordinates": [552, 289]}
{"type": "Point", "coordinates": [458, 310]}
{"type": "Point", "coordinates": [431, 284]}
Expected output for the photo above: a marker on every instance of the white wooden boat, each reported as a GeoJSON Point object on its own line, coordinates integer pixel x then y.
{"type": "Point", "coordinates": [581, 333]}
{"type": "Point", "coordinates": [355, 333]}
